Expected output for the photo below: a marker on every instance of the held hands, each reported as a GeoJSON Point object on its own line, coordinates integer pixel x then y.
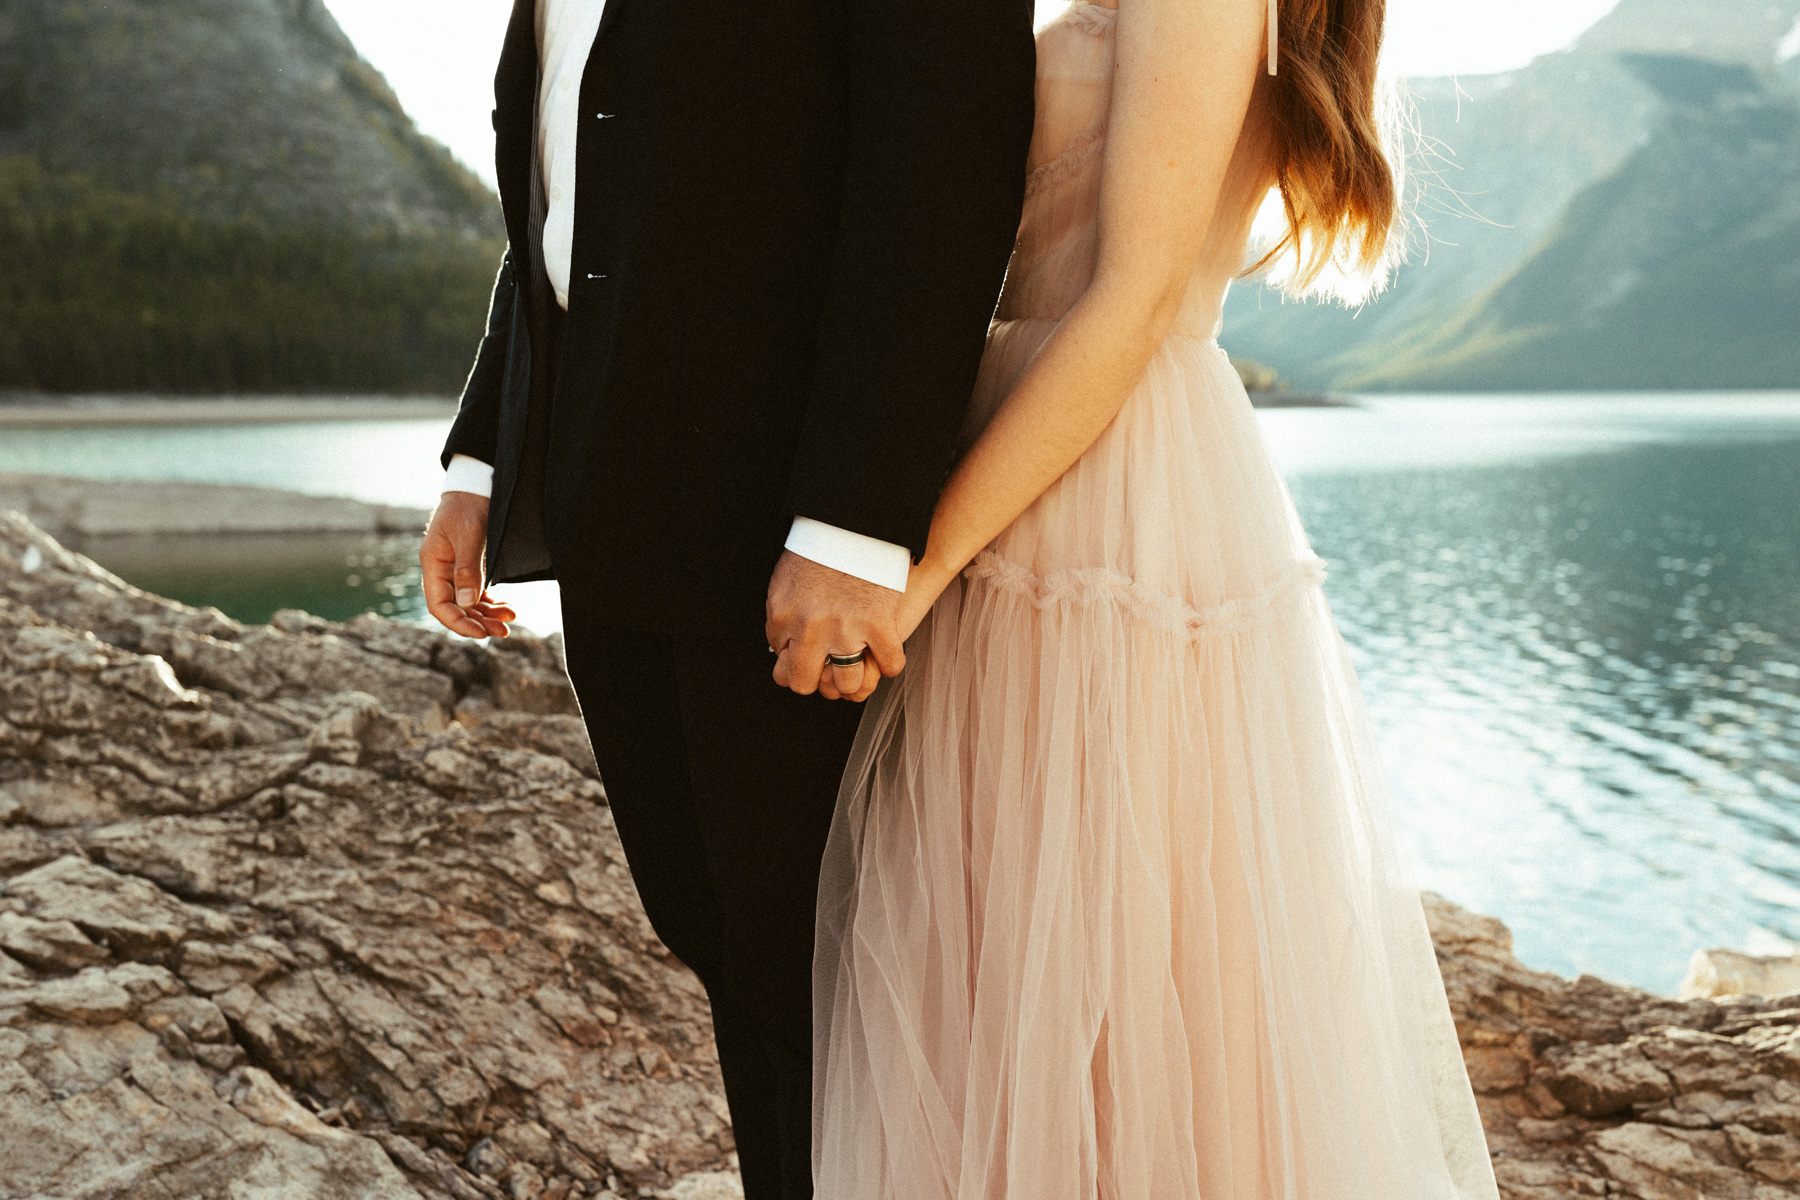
{"type": "Point", "coordinates": [451, 557]}
{"type": "Point", "coordinates": [814, 611]}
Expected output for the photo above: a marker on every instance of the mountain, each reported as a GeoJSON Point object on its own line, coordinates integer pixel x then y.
{"type": "Point", "coordinates": [221, 195]}
{"type": "Point", "coordinates": [1618, 214]}
{"type": "Point", "coordinates": [1679, 270]}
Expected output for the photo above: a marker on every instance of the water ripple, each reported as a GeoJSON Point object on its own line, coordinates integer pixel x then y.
{"type": "Point", "coordinates": [1586, 676]}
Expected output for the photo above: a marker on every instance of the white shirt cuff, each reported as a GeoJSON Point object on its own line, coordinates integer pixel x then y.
{"type": "Point", "coordinates": [467, 474]}
{"type": "Point", "coordinates": [857, 554]}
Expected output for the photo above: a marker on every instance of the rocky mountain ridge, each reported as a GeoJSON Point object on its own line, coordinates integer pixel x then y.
{"type": "Point", "coordinates": [1620, 214]}
{"type": "Point", "coordinates": [227, 109]}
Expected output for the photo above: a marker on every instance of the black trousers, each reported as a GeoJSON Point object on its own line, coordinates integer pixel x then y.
{"type": "Point", "coordinates": [722, 786]}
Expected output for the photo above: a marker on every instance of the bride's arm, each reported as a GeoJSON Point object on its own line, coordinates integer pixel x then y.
{"type": "Point", "coordinates": [1183, 79]}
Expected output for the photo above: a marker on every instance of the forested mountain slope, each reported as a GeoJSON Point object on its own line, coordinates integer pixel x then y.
{"type": "Point", "coordinates": [220, 195]}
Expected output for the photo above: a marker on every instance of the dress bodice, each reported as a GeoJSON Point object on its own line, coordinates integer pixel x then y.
{"type": "Point", "coordinates": [1053, 262]}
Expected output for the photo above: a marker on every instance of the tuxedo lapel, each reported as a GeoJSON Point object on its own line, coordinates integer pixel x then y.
{"type": "Point", "coordinates": [608, 15]}
{"type": "Point", "coordinates": [515, 117]}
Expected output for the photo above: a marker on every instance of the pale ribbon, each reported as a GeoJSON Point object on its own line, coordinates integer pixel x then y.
{"type": "Point", "coordinates": [1274, 35]}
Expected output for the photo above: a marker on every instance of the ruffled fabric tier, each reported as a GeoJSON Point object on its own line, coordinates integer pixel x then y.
{"type": "Point", "coordinates": [1113, 907]}
{"type": "Point", "coordinates": [1111, 910]}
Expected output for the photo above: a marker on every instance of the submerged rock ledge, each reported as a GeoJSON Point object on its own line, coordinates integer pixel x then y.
{"type": "Point", "coordinates": [74, 510]}
{"type": "Point", "coordinates": [336, 911]}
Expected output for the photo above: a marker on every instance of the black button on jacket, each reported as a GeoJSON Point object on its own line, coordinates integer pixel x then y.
{"type": "Point", "coordinates": [792, 224]}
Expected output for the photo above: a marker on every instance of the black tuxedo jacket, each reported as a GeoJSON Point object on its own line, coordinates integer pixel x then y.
{"type": "Point", "coordinates": [793, 219]}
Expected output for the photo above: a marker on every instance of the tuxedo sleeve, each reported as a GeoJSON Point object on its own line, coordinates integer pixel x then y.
{"type": "Point", "coordinates": [940, 113]}
{"type": "Point", "coordinates": [476, 431]}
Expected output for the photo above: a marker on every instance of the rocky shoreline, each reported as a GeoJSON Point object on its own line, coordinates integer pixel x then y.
{"type": "Point", "coordinates": [75, 510]}
{"type": "Point", "coordinates": [337, 911]}
{"type": "Point", "coordinates": [43, 410]}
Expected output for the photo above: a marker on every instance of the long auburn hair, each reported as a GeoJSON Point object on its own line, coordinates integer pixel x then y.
{"type": "Point", "coordinates": [1335, 132]}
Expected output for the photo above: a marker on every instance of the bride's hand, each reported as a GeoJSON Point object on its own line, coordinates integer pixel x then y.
{"type": "Point", "coordinates": [923, 587]}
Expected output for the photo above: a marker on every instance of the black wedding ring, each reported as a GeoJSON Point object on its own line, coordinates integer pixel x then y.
{"type": "Point", "coordinates": [847, 660]}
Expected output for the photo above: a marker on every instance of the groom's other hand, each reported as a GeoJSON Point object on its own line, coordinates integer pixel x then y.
{"type": "Point", "coordinates": [451, 559]}
{"type": "Point", "coordinates": [814, 611]}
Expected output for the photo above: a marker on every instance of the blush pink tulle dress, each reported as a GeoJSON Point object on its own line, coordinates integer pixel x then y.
{"type": "Point", "coordinates": [1113, 907]}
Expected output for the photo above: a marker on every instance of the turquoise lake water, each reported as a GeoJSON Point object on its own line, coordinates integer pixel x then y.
{"type": "Point", "coordinates": [1577, 621]}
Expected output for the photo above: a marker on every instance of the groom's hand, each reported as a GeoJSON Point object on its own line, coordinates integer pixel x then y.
{"type": "Point", "coordinates": [814, 611]}
{"type": "Point", "coordinates": [451, 559]}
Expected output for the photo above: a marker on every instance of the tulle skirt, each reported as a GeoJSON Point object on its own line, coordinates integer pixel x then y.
{"type": "Point", "coordinates": [1113, 907]}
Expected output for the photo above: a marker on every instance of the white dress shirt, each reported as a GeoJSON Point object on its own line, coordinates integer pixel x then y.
{"type": "Point", "coordinates": [566, 31]}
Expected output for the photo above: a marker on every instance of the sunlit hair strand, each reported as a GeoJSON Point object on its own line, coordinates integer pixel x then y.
{"type": "Point", "coordinates": [1336, 127]}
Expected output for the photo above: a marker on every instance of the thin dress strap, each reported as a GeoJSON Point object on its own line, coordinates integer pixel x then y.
{"type": "Point", "coordinates": [1274, 35]}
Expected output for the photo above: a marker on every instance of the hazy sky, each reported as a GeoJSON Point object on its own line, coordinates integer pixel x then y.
{"type": "Point", "coordinates": [439, 54]}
